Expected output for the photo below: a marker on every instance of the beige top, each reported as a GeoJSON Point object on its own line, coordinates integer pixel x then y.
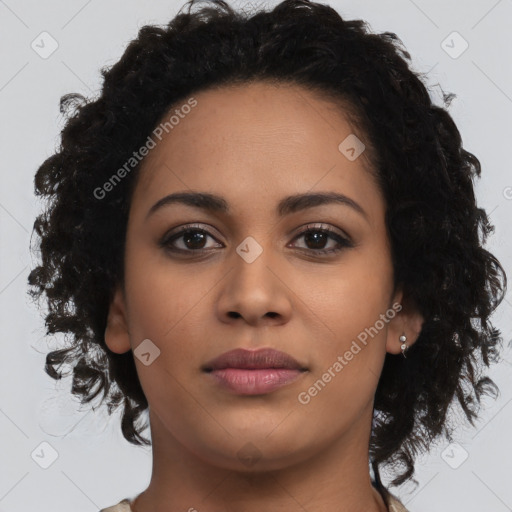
{"type": "Point", "coordinates": [391, 501]}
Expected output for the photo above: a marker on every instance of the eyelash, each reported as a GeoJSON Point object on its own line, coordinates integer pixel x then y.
{"type": "Point", "coordinates": [343, 242]}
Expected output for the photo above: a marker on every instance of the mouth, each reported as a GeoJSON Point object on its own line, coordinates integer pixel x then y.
{"type": "Point", "coordinates": [254, 372]}
{"type": "Point", "coordinates": [244, 359]}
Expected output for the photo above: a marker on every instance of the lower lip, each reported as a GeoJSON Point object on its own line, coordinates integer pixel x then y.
{"type": "Point", "coordinates": [255, 382]}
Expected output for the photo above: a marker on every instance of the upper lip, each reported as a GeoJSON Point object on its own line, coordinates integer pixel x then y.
{"type": "Point", "coordinates": [252, 360]}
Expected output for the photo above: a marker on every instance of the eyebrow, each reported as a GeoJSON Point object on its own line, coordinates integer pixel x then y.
{"type": "Point", "coordinates": [291, 204]}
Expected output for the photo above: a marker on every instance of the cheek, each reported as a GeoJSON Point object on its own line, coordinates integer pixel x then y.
{"type": "Point", "coordinates": [165, 307]}
{"type": "Point", "coordinates": [355, 312]}
{"type": "Point", "coordinates": [352, 298]}
{"type": "Point", "coordinates": [347, 366]}
{"type": "Point", "coordinates": [164, 298]}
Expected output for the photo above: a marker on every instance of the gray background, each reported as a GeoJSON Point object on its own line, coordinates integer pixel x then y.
{"type": "Point", "coordinates": [94, 466]}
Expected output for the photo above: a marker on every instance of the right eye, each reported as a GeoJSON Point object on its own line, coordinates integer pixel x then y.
{"type": "Point", "coordinates": [191, 238]}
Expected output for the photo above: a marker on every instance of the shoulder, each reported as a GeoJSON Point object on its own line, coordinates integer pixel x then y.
{"type": "Point", "coordinates": [122, 506]}
{"type": "Point", "coordinates": [392, 502]}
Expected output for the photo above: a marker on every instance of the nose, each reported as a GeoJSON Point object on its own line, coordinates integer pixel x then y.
{"type": "Point", "coordinates": [255, 293]}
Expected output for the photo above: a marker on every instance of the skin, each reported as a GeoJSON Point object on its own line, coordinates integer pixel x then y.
{"type": "Point", "coordinates": [254, 145]}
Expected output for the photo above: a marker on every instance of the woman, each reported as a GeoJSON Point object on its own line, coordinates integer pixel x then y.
{"type": "Point", "coordinates": [265, 233]}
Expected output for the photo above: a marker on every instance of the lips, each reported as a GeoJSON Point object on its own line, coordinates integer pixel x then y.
{"type": "Point", "coordinates": [253, 360]}
{"type": "Point", "coordinates": [253, 372]}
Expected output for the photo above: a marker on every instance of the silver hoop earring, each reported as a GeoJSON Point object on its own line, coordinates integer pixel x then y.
{"type": "Point", "coordinates": [404, 345]}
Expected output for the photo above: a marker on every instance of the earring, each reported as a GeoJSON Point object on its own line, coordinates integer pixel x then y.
{"type": "Point", "coordinates": [404, 345]}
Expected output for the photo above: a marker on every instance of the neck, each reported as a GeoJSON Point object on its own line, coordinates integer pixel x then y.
{"type": "Point", "coordinates": [335, 479]}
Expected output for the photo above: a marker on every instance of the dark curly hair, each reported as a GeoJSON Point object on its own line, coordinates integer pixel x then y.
{"type": "Point", "coordinates": [437, 232]}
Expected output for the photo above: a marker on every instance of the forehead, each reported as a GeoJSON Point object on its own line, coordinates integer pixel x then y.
{"type": "Point", "coordinates": [256, 138]}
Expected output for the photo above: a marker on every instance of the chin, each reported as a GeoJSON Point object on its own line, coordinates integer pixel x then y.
{"type": "Point", "coordinates": [255, 451]}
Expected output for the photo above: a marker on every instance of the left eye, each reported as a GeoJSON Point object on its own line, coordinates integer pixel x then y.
{"type": "Point", "coordinates": [319, 236]}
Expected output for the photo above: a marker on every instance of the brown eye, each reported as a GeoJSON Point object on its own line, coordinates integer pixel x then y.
{"type": "Point", "coordinates": [188, 239]}
{"type": "Point", "coordinates": [316, 238]}
{"type": "Point", "coordinates": [194, 239]}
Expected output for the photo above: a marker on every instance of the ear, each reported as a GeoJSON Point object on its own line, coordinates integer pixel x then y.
{"type": "Point", "coordinates": [408, 321]}
{"type": "Point", "coordinates": [116, 333]}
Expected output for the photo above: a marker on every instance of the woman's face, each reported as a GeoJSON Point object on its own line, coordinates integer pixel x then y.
{"type": "Point", "coordinates": [251, 279]}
